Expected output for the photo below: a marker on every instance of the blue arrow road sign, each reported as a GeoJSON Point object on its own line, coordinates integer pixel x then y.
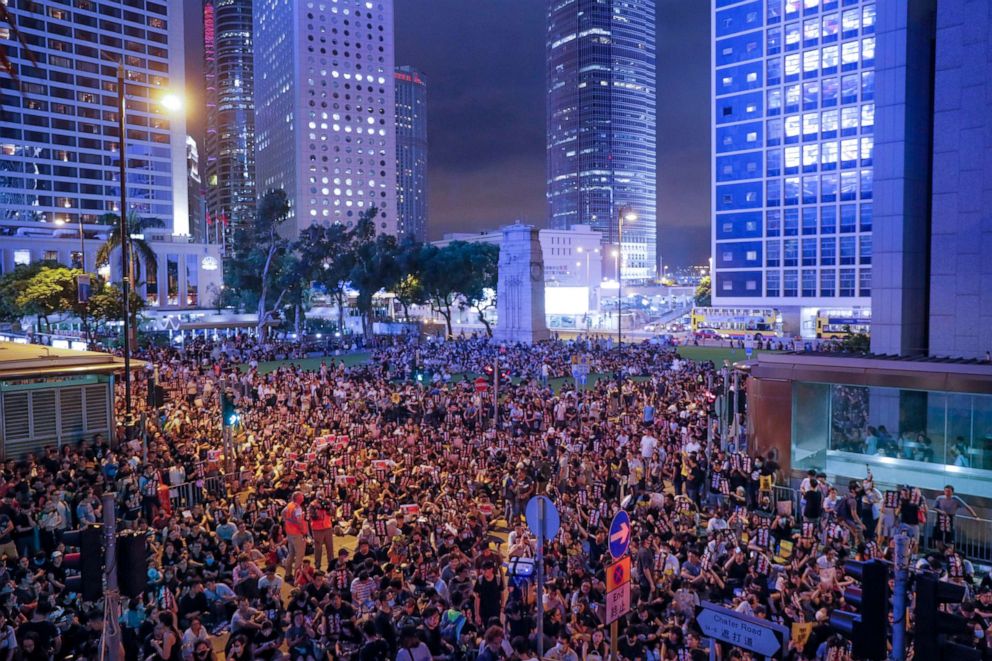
{"type": "Point", "coordinates": [619, 534]}
{"type": "Point", "coordinates": [552, 520]}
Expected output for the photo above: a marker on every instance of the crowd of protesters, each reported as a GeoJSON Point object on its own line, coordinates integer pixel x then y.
{"type": "Point", "coordinates": [362, 513]}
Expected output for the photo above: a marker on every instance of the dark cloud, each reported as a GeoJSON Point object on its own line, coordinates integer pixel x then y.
{"type": "Point", "coordinates": [485, 63]}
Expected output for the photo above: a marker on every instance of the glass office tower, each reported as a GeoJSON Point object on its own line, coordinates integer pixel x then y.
{"type": "Point", "coordinates": [793, 123]}
{"type": "Point", "coordinates": [229, 148]}
{"type": "Point", "coordinates": [411, 152]}
{"type": "Point", "coordinates": [58, 134]}
{"type": "Point", "coordinates": [601, 123]}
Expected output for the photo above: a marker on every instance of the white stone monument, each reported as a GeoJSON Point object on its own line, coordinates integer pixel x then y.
{"type": "Point", "coordinates": [520, 289]}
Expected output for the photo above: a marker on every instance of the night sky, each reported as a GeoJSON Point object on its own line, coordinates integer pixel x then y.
{"type": "Point", "coordinates": [484, 60]}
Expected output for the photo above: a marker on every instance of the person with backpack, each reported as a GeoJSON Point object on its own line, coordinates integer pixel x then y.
{"type": "Point", "coordinates": [453, 621]}
{"type": "Point", "coordinates": [430, 633]}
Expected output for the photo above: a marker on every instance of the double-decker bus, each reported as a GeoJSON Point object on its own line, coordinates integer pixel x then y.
{"type": "Point", "coordinates": [737, 323]}
{"type": "Point", "coordinates": [838, 324]}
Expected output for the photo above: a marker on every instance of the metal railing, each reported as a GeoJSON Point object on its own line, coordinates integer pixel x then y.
{"type": "Point", "coordinates": [189, 494]}
{"type": "Point", "coordinates": [783, 493]}
{"type": "Point", "coordinates": [972, 537]}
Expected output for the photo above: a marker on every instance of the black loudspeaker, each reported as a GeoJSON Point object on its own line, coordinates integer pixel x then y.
{"type": "Point", "coordinates": [132, 564]}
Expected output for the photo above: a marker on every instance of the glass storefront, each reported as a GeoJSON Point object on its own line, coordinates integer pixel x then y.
{"type": "Point", "coordinates": [924, 438]}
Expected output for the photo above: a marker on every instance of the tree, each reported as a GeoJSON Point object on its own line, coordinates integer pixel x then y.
{"type": "Point", "coordinates": [480, 277]}
{"type": "Point", "coordinates": [106, 305]}
{"type": "Point", "coordinates": [12, 285]}
{"type": "Point", "coordinates": [52, 290]}
{"type": "Point", "coordinates": [141, 255]}
{"type": "Point", "coordinates": [409, 290]}
{"type": "Point", "coordinates": [375, 266]}
{"type": "Point", "coordinates": [704, 292]}
{"type": "Point", "coordinates": [262, 262]}
{"type": "Point", "coordinates": [441, 278]}
{"type": "Point", "coordinates": [326, 258]}
{"type": "Point", "coordinates": [855, 342]}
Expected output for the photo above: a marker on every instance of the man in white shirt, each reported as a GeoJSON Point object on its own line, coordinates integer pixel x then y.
{"type": "Point", "coordinates": [648, 445]}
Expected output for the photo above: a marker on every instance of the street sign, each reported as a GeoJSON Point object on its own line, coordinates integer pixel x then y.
{"type": "Point", "coordinates": [618, 573]}
{"type": "Point", "coordinates": [481, 384]}
{"type": "Point", "coordinates": [551, 522]}
{"type": "Point", "coordinates": [618, 603]}
{"type": "Point", "coordinates": [619, 534]}
{"type": "Point", "coordinates": [751, 633]}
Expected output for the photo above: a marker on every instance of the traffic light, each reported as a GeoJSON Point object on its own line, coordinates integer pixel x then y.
{"type": "Point", "coordinates": [132, 563]}
{"type": "Point", "coordinates": [934, 627]}
{"type": "Point", "coordinates": [867, 628]}
{"type": "Point", "coordinates": [88, 561]}
{"type": "Point", "coordinates": [229, 414]}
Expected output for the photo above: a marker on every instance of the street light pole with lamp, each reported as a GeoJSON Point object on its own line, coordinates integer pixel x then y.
{"type": "Point", "coordinates": [625, 212]}
{"type": "Point", "coordinates": [172, 103]}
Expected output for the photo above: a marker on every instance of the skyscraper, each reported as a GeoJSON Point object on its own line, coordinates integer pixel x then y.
{"type": "Point", "coordinates": [793, 147]}
{"type": "Point", "coordinates": [194, 180]}
{"type": "Point", "coordinates": [58, 139]}
{"type": "Point", "coordinates": [933, 228]}
{"type": "Point", "coordinates": [229, 147]}
{"type": "Point", "coordinates": [411, 152]}
{"type": "Point", "coordinates": [601, 123]}
{"type": "Point", "coordinates": [324, 109]}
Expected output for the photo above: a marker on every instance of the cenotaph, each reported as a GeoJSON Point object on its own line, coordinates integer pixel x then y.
{"type": "Point", "coordinates": [520, 288]}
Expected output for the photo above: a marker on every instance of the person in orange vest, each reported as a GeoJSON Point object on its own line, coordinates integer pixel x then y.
{"type": "Point", "coordinates": [294, 522]}
{"type": "Point", "coordinates": [322, 528]}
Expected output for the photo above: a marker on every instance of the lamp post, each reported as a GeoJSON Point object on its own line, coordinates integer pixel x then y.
{"type": "Point", "coordinates": [125, 239]}
{"type": "Point", "coordinates": [170, 102]}
{"type": "Point", "coordinates": [625, 212]}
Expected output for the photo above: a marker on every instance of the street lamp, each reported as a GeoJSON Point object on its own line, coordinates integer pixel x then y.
{"type": "Point", "coordinates": [625, 212]}
{"type": "Point", "coordinates": [125, 239]}
{"type": "Point", "coordinates": [588, 254]}
{"type": "Point", "coordinates": [171, 102]}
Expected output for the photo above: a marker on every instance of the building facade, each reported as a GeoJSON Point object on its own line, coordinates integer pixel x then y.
{"type": "Point", "coordinates": [411, 152]}
{"type": "Point", "coordinates": [793, 91]}
{"type": "Point", "coordinates": [324, 109]}
{"type": "Point", "coordinates": [197, 205]}
{"type": "Point", "coordinates": [59, 138]}
{"type": "Point", "coordinates": [601, 137]}
{"type": "Point", "coordinates": [229, 145]}
{"type": "Point", "coordinates": [574, 259]}
{"type": "Point", "coordinates": [934, 225]}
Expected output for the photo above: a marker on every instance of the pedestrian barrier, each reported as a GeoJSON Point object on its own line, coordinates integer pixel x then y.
{"type": "Point", "coordinates": [188, 494]}
{"type": "Point", "coordinates": [972, 537]}
{"type": "Point", "coordinates": [784, 494]}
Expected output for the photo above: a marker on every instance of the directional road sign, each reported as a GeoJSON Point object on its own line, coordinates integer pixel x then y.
{"type": "Point", "coordinates": [551, 519]}
{"type": "Point", "coordinates": [759, 636]}
{"type": "Point", "coordinates": [619, 534]}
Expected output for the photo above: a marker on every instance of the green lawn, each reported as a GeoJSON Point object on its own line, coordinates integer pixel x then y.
{"type": "Point", "coordinates": [312, 364]}
{"type": "Point", "coordinates": [716, 354]}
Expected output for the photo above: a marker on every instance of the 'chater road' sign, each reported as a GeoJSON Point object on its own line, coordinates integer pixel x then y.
{"type": "Point", "coordinates": [750, 633]}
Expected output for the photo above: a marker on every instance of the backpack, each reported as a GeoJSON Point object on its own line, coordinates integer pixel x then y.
{"type": "Point", "coordinates": [451, 625]}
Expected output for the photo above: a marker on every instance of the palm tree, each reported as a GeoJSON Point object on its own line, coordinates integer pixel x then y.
{"type": "Point", "coordinates": [141, 252]}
